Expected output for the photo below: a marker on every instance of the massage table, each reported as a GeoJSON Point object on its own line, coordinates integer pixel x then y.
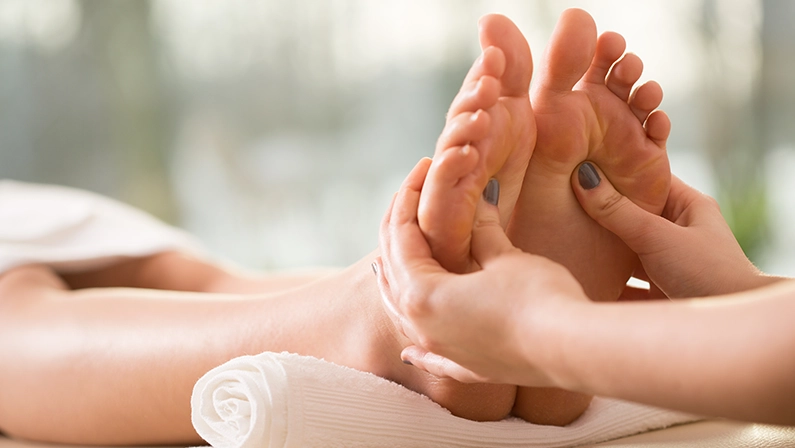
{"type": "Point", "coordinates": [706, 433]}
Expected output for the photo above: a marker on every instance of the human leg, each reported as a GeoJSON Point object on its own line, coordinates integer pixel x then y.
{"type": "Point", "coordinates": [504, 132]}
{"type": "Point", "coordinates": [116, 366]}
{"type": "Point", "coordinates": [584, 111]}
{"type": "Point", "coordinates": [180, 271]}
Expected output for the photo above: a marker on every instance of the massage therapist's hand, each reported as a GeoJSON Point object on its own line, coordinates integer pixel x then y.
{"type": "Point", "coordinates": [492, 325]}
{"type": "Point", "coordinates": [689, 251]}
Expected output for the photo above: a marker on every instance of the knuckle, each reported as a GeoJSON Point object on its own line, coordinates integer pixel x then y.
{"type": "Point", "coordinates": [712, 202]}
{"type": "Point", "coordinates": [611, 205]}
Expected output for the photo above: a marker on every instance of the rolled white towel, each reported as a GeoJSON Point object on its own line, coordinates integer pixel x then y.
{"type": "Point", "coordinates": [279, 400]}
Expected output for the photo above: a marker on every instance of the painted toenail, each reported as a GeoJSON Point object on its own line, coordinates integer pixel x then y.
{"type": "Point", "coordinates": [407, 362]}
{"type": "Point", "coordinates": [375, 268]}
{"type": "Point", "coordinates": [588, 176]}
{"type": "Point", "coordinates": [492, 192]}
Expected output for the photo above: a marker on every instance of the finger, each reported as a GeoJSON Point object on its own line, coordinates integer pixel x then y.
{"type": "Point", "coordinates": [681, 197]}
{"type": "Point", "coordinates": [383, 233]}
{"type": "Point", "coordinates": [388, 298]}
{"type": "Point", "coordinates": [407, 245]}
{"type": "Point", "coordinates": [638, 228]}
{"type": "Point", "coordinates": [384, 240]}
{"type": "Point", "coordinates": [439, 366]}
{"type": "Point", "coordinates": [654, 291]}
{"type": "Point", "coordinates": [488, 237]}
{"type": "Point", "coordinates": [399, 230]}
{"type": "Point", "coordinates": [409, 191]}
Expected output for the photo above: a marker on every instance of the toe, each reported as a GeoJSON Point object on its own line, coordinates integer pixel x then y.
{"type": "Point", "coordinates": [624, 74]}
{"type": "Point", "coordinates": [490, 63]}
{"type": "Point", "coordinates": [499, 31]}
{"type": "Point", "coordinates": [658, 127]}
{"type": "Point", "coordinates": [569, 52]}
{"type": "Point", "coordinates": [452, 165]}
{"type": "Point", "coordinates": [609, 48]}
{"type": "Point", "coordinates": [645, 99]}
{"type": "Point", "coordinates": [462, 129]}
{"type": "Point", "coordinates": [479, 95]}
{"type": "Point", "coordinates": [447, 204]}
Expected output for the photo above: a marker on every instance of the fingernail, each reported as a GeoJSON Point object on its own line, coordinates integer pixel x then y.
{"type": "Point", "coordinates": [375, 268]}
{"type": "Point", "coordinates": [407, 362]}
{"type": "Point", "coordinates": [588, 176]}
{"type": "Point", "coordinates": [492, 192]}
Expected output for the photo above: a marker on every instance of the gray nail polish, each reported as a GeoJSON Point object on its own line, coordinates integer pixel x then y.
{"type": "Point", "coordinates": [375, 268]}
{"type": "Point", "coordinates": [492, 192]}
{"type": "Point", "coordinates": [407, 362]}
{"type": "Point", "coordinates": [588, 176]}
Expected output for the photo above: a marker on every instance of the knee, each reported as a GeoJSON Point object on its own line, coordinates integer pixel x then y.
{"type": "Point", "coordinates": [28, 282]}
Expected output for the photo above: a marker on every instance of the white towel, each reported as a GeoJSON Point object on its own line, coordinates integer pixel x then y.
{"type": "Point", "coordinates": [279, 400]}
{"type": "Point", "coordinates": [72, 230]}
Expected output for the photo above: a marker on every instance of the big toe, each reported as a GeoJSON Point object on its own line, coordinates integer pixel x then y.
{"type": "Point", "coordinates": [569, 52]}
{"type": "Point", "coordinates": [499, 31]}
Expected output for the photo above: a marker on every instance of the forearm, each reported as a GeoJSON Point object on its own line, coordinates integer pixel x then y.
{"type": "Point", "coordinates": [729, 356]}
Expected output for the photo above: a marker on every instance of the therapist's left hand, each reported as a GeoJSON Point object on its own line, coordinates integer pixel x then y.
{"type": "Point", "coordinates": [488, 326]}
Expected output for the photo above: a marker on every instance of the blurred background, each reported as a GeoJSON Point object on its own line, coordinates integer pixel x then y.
{"type": "Point", "coordinates": [277, 131]}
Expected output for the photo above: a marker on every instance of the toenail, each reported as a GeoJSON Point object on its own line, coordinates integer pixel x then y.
{"type": "Point", "coordinates": [492, 192]}
{"type": "Point", "coordinates": [407, 362]}
{"type": "Point", "coordinates": [375, 268]}
{"type": "Point", "coordinates": [588, 176]}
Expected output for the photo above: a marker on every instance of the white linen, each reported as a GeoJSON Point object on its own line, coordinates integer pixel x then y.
{"type": "Point", "coordinates": [72, 230]}
{"type": "Point", "coordinates": [277, 400]}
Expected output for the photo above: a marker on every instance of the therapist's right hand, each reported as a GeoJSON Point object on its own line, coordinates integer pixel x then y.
{"type": "Point", "coordinates": [689, 251]}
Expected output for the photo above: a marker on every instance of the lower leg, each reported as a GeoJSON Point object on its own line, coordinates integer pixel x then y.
{"type": "Point", "coordinates": [83, 365]}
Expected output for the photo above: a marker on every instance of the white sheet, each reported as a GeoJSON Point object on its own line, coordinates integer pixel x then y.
{"type": "Point", "coordinates": [71, 230]}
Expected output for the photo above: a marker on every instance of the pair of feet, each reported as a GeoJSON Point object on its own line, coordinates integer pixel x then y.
{"type": "Point", "coordinates": [582, 107]}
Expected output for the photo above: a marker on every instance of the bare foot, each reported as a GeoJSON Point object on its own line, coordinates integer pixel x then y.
{"type": "Point", "coordinates": [584, 111]}
{"type": "Point", "coordinates": [341, 318]}
{"type": "Point", "coordinates": [490, 132]}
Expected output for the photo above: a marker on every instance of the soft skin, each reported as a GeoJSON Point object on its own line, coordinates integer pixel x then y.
{"type": "Point", "coordinates": [729, 356]}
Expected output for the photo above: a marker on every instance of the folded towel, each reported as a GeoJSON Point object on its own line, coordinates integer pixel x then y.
{"type": "Point", "coordinates": [279, 400]}
{"type": "Point", "coordinates": [72, 230]}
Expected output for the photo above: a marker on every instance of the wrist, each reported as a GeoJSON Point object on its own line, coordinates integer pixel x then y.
{"type": "Point", "coordinates": [753, 280]}
{"type": "Point", "coordinates": [550, 341]}
{"type": "Point", "coordinates": [763, 280]}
